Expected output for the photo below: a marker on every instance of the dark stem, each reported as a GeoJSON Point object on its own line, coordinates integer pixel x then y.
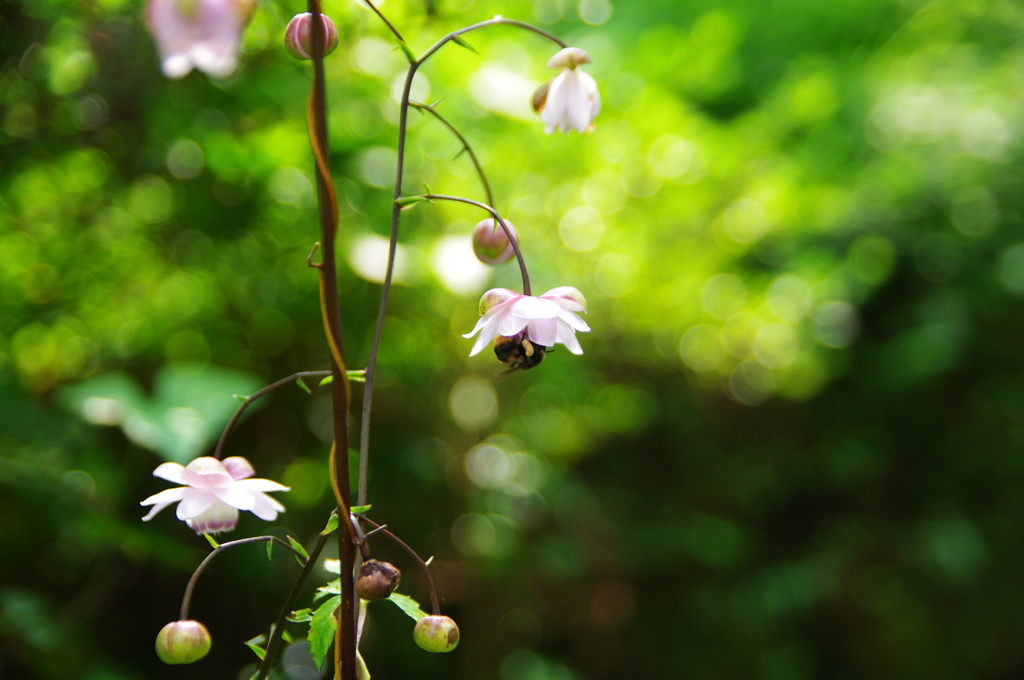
{"type": "Point", "coordinates": [496, 216]}
{"type": "Point", "coordinates": [465, 145]}
{"type": "Point", "coordinates": [256, 395]}
{"type": "Point", "coordinates": [186, 601]}
{"type": "Point", "coordinates": [396, 211]}
{"type": "Point", "coordinates": [345, 655]}
{"type": "Point", "coordinates": [426, 569]}
{"type": "Point", "coordinates": [385, 20]}
{"type": "Point", "coordinates": [274, 643]}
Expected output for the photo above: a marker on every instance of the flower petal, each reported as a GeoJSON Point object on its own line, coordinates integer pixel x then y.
{"type": "Point", "coordinates": [218, 517]}
{"type": "Point", "coordinates": [567, 337]}
{"type": "Point", "coordinates": [510, 324]}
{"type": "Point", "coordinates": [487, 334]}
{"type": "Point", "coordinates": [260, 484]}
{"type": "Point", "coordinates": [206, 472]}
{"type": "Point", "coordinates": [554, 108]}
{"type": "Point", "coordinates": [235, 497]}
{"type": "Point", "coordinates": [266, 508]}
{"type": "Point", "coordinates": [172, 472]}
{"type": "Point", "coordinates": [543, 331]}
{"type": "Point", "coordinates": [166, 496]}
{"type": "Point", "coordinates": [194, 502]}
{"type": "Point", "coordinates": [154, 510]}
{"type": "Point", "coordinates": [529, 307]}
{"type": "Point", "coordinates": [238, 467]}
{"type": "Point", "coordinates": [574, 320]}
{"type": "Point", "coordinates": [567, 297]}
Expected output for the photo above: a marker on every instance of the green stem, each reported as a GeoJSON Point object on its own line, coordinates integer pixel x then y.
{"type": "Point", "coordinates": [465, 145]}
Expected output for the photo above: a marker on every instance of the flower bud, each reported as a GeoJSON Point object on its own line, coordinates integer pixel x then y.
{"type": "Point", "coordinates": [298, 37]}
{"type": "Point", "coordinates": [495, 296]}
{"type": "Point", "coordinates": [182, 642]}
{"type": "Point", "coordinates": [436, 633]}
{"type": "Point", "coordinates": [377, 580]}
{"type": "Point", "coordinates": [490, 242]}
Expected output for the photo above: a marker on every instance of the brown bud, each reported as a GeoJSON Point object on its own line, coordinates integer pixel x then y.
{"type": "Point", "coordinates": [377, 580]}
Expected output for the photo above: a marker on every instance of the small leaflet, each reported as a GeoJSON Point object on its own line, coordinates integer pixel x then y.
{"type": "Point", "coordinates": [298, 548]}
{"type": "Point", "coordinates": [255, 645]}
{"type": "Point", "coordinates": [301, 615]}
{"type": "Point", "coordinates": [321, 630]}
{"type": "Point", "coordinates": [212, 540]}
{"type": "Point", "coordinates": [461, 42]}
{"type": "Point", "coordinates": [409, 54]}
{"type": "Point", "coordinates": [302, 383]}
{"type": "Point", "coordinates": [332, 524]}
{"type": "Point", "coordinates": [408, 605]}
{"type": "Point", "coordinates": [359, 509]}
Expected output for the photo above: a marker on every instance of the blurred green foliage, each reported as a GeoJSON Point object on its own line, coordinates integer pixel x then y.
{"type": "Point", "coordinates": [791, 450]}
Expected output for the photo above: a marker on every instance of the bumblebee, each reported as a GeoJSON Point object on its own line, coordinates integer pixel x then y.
{"type": "Point", "coordinates": [518, 353]}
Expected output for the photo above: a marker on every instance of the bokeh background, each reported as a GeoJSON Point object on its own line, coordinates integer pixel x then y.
{"type": "Point", "coordinates": [792, 449]}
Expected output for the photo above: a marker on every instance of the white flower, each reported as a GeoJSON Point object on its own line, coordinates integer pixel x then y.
{"type": "Point", "coordinates": [542, 320]}
{"type": "Point", "coordinates": [202, 34]}
{"type": "Point", "coordinates": [570, 100]}
{"type": "Point", "coordinates": [215, 492]}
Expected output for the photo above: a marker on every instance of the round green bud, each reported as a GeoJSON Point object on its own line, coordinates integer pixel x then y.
{"type": "Point", "coordinates": [182, 642]}
{"type": "Point", "coordinates": [436, 633]}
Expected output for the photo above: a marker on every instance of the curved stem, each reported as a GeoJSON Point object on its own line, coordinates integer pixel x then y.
{"type": "Point", "coordinates": [186, 600]}
{"type": "Point", "coordinates": [275, 636]}
{"type": "Point", "coordinates": [385, 20]}
{"type": "Point", "coordinates": [465, 145]}
{"type": "Point", "coordinates": [403, 118]}
{"type": "Point", "coordinates": [426, 569]}
{"type": "Point", "coordinates": [256, 395]}
{"type": "Point", "coordinates": [496, 216]}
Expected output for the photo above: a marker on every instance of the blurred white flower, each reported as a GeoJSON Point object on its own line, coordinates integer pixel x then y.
{"type": "Point", "coordinates": [215, 492]}
{"type": "Point", "coordinates": [202, 34]}
{"type": "Point", "coordinates": [542, 320]}
{"type": "Point", "coordinates": [570, 100]}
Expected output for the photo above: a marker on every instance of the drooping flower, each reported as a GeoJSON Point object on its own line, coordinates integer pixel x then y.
{"type": "Point", "coordinates": [542, 320]}
{"type": "Point", "coordinates": [491, 244]}
{"type": "Point", "coordinates": [214, 493]}
{"type": "Point", "coordinates": [570, 100]}
{"type": "Point", "coordinates": [202, 34]}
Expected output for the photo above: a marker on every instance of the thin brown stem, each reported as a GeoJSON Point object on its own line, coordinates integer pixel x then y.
{"type": "Point", "coordinates": [274, 643]}
{"type": "Point", "coordinates": [385, 20]}
{"type": "Point", "coordinates": [496, 21]}
{"type": "Point", "coordinates": [256, 395]}
{"type": "Point", "coordinates": [186, 600]}
{"type": "Point", "coordinates": [465, 145]}
{"type": "Point", "coordinates": [412, 553]}
{"type": "Point", "coordinates": [504, 226]}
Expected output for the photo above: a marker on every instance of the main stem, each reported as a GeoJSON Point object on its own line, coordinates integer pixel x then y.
{"type": "Point", "coordinates": [396, 213]}
{"type": "Point", "coordinates": [345, 640]}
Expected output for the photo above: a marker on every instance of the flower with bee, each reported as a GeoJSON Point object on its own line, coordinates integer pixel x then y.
{"type": "Point", "coordinates": [522, 328]}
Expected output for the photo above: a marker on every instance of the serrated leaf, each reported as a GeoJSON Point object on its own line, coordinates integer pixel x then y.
{"type": "Point", "coordinates": [333, 566]}
{"type": "Point", "coordinates": [301, 615]}
{"type": "Point", "coordinates": [409, 200]}
{"type": "Point", "coordinates": [212, 540]}
{"type": "Point", "coordinates": [409, 54]}
{"type": "Point", "coordinates": [321, 630]}
{"type": "Point", "coordinates": [298, 547]}
{"type": "Point", "coordinates": [332, 524]}
{"type": "Point", "coordinates": [254, 645]}
{"type": "Point", "coordinates": [408, 605]}
{"type": "Point", "coordinates": [270, 550]}
{"type": "Point", "coordinates": [359, 509]}
{"type": "Point", "coordinates": [461, 42]}
{"type": "Point", "coordinates": [332, 588]}
{"type": "Point", "coordinates": [302, 383]}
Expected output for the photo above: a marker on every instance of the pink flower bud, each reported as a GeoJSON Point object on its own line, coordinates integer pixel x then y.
{"type": "Point", "coordinates": [182, 642]}
{"type": "Point", "coordinates": [490, 242]}
{"type": "Point", "coordinates": [298, 37]}
{"type": "Point", "coordinates": [496, 296]}
{"type": "Point", "coordinates": [436, 633]}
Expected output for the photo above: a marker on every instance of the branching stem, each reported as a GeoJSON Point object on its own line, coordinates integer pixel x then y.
{"type": "Point", "coordinates": [465, 145]}
{"type": "Point", "coordinates": [412, 553]}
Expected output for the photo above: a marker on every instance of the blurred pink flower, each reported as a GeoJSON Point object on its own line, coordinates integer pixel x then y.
{"type": "Point", "coordinates": [215, 492]}
{"type": "Point", "coordinates": [202, 34]}
{"type": "Point", "coordinates": [570, 100]}
{"type": "Point", "coordinates": [542, 320]}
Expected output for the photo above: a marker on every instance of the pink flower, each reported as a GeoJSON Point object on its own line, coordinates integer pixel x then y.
{"type": "Point", "coordinates": [215, 492]}
{"type": "Point", "coordinates": [202, 34]}
{"type": "Point", "coordinates": [542, 320]}
{"type": "Point", "coordinates": [570, 100]}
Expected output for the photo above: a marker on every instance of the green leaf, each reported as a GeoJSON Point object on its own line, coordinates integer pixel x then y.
{"type": "Point", "coordinates": [333, 566]}
{"type": "Point", "coordinates": [358, 376]}
{"type": "Point", "coordinates": [459, 153]}
{"type": "Point", "coordinates": [332, 588]}
{"type": "Point", "coordinates": [427, 189]}
{"type": "Point", "coordinates": [301, 615]}
{"type": "Point", "coordinates": [321, 630]}
{"type": "Point", "coordinates": [409, 200]}
{"type": "Point", "coordinates": [212, 540]}
{"type": "Point", "coordinates": [434, 105]}
{"type": "Point", "coordinates": [327, 381]}
{"type": "Point", "coordinates": [461, 42]}
{"type": "Point", "coordinates": [359, 509]}
{"type": "Point", "coordinates": [298, 547]}
{"type": "Point", "coordinates": [408, 605]}
{"type": "Point", "coordinates": [302, 383]}
{"type": "Point", "coordinates": [270, 550]}
{"type": "Point", "coordinates": [409, 54]}
{"type": "Point", "coordinates": [332, 524]}
{"type": "Point", "coordinates": [240, 397]}
{"type": "Point", "coordinates": [286, 636]}
{"type": "Point", "coordinates": [255, 645]}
